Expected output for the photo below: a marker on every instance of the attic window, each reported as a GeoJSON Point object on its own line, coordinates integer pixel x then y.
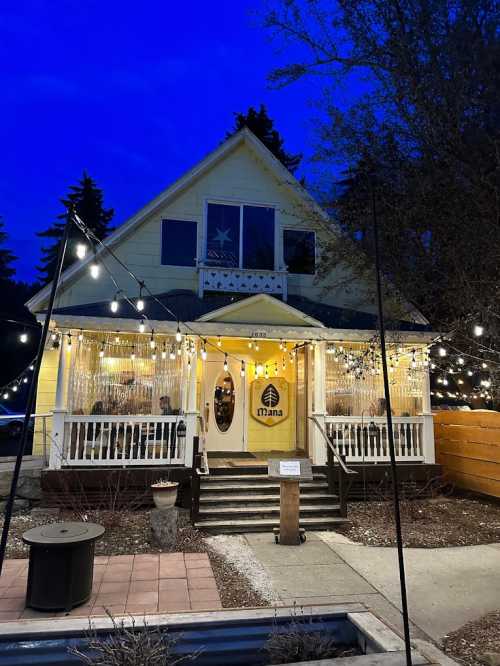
{"type": "Point", "coordinates": [299, 251]}
{"type": "Point", "coordinates": [178, 243]}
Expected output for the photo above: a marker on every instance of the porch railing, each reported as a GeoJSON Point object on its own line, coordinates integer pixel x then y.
{"type": "Point", "coordinates": [365, 439]}
{"type": "Point", "coordinates": [214, 278]}
{"type": "Point", "coordinates": [123, 440]}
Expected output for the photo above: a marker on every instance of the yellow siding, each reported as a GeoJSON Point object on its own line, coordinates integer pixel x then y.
{"type": "Point", "coordinates": [46, 395]}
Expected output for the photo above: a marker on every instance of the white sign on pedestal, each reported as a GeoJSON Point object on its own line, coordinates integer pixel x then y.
{"type": "Point", "coordinates": [289, 467]}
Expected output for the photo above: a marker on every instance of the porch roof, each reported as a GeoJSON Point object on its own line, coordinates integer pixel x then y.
{"type": "Point", "coordinates": [187, 306]}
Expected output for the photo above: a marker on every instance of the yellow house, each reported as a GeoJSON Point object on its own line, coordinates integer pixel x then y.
{"type": "Point", "coordinates": [237, 339]}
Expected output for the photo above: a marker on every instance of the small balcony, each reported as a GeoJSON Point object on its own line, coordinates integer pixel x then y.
{"type": "Point", "coordinates": [242, 280]}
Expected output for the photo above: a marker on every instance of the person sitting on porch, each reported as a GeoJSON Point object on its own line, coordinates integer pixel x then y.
{"type": "Point", "coordinates": [165, 405]}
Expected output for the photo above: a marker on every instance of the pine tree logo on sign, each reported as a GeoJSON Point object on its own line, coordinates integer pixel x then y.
{"type": "Point", "coordinates": [270, 401]}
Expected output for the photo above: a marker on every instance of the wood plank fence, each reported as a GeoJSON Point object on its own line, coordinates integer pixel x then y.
{"type": "Point", "coordinates": [468, 448]}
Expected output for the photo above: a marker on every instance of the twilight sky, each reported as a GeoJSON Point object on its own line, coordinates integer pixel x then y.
{"type": "Point", "coordinates": [133, 93]}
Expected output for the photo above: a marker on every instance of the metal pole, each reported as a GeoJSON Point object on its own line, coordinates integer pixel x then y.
{"type": "Point", "coordinates": [30, 406]}
{"type": "Point", "coordinates": [395, 489]}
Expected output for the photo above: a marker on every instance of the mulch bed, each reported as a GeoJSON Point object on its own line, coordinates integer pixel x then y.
{"type": "Point", "coordinates": [426, 523]}
{"type": "Point", "coordinates": [474, 639]}
{"type": "Point", "coordinates": [128, 532]}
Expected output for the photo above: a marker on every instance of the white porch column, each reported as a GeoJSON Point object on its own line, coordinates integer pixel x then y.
{"type": "Point", "coordinates": [191, 410]}
{"type": "Point", "coordinates": [428, 427]}
{"type": "Point", "coordinates": [60, 408]}
{"type": "Point", "coordinates": [318, 448]}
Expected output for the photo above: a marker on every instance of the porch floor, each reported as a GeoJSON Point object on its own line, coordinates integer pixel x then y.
{"type": "Point", "coordinates": [224, 459]}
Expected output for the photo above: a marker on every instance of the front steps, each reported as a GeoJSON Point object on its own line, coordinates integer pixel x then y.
{"type": "Point", "coordinates": [233, 501]}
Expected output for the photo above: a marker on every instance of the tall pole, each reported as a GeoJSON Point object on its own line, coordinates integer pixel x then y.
{"type": "Point", "coordinates": [392, 452]}
{"type": "Point", "coordinates": [30, 405]}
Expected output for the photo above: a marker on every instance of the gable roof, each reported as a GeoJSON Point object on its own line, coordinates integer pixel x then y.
{"type": "Point", "coordinates": [187, 306]}
{"type": "Point", "coordinates": [244, 136]}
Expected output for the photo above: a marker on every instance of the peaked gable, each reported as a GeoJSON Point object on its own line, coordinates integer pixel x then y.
{"type": "Point", "coordinates": [260, 309]}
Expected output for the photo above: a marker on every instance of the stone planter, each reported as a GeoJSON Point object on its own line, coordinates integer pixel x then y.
{"type": "Point", "coordinates": [164, 494]}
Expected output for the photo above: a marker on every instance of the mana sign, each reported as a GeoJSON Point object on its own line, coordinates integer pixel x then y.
{"type": "Point", "coordinates": [270, 400]}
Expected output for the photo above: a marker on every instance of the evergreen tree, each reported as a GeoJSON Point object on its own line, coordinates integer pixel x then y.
{"type": "Point", "coordinates": [87, 200]}
{"type": "Point", "coordinates": [263, 127]}
{"type": "Point", "coordinates": [6, 257]}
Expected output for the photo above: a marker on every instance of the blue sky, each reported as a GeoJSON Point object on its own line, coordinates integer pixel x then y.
{"type": "Point", "coordinates": [133, 93]}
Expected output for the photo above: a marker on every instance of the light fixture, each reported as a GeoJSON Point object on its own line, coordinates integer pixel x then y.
{"type": "Point", "coordinates": [153, 356]}
{"type": "Point", "coordinates": [257, 346]}
{"type": "Point", "coordinates": [225, 363]}
{"type": "Point", "coordinates": [242, 371]}
{"type": "Point", "coordinates": [95, 270]}
{"type": "Point", "coordinates": [80, 336]}
{"type": "Point", "coordinates": [132, 355]}
{"type": "Point", "coordinates": [266, 372]}
{"type": "Point", "coordinates": [460, 360]}
{"type": "Point", "coordinates": [81, 250]}
{"type": "Point", "coordinates": [178, 335]}
{"type": "Point", "coordinates": [442, 351]}
{"type": "Point", "coordinates": [32, 367]}
{"type": "Point", "coordinates": [114, 305]}
{"type": "Point", "coordinates": [23, 337]}
{"type": "Point", "coordinates": [117, 338]}
{"type": "Point", "coordinates": [219, 342]}
{"type": "Point", "coordinates": [250, 344]}
{"type": "Point", "coordinates": [204, 351]}
{"type": "Point", "coordinates": [101, 350]}
{"type": "Point", "coordinates": [179, 350]}
{"type": "Point", "coordinates": [469, 373]}
{"type": "Point", "coordinates": [152, 342]}
{"type": "Point", "coordinates": [14, 388]}
{"type": "Point", "coordinates": [25, 380]}
{"type": "Point", "coordinates": [259, 369]}
{"type": "Point", "coordinates": [5, 396]}
{"type": "Point", "coordinates": [53, 336]}
{"type": "Point", "coordinates": [164, 351]}
{"type": "Point", "coordinates": [172, 353]}
{"type": "Point", "coordinates": [142, 326]}
{"type": "Point", "coordinates": [69, 342]}
{"type": "Point", "coordinates": [478, 330]}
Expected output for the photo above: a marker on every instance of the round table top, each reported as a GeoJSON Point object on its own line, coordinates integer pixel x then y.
{"type": "Point", "coordinates": [60, 534]}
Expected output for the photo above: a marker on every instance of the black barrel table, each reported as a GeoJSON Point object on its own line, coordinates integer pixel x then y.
{"type": "Point", "coordinates": [61, 564]}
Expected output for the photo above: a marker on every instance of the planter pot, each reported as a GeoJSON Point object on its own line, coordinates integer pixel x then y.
{"type": "Point", "coordinates": [165, 497]}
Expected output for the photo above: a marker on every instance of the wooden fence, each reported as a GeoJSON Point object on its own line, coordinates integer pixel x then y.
{"type": "Point", "coordinates": [468, 448]}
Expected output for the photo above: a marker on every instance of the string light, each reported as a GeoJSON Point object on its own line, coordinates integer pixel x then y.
{"type": "Point", "coordinates": [460, 360]}
{"type": "Point", "coordinates": [95, 270]}
{"type": "Point", "coordinates": [25, 380]}
{"type": "Point", "coordinates": [250, 344]}
{"type": "Point", "coordinates": [32, 367]}
{"type": "Point", "coordinates": [204, 351]}
{"type": "Point", "coordinates": [219, 342]}
{"type": "Point", "coordinates": [101, 351]}
{"type": "Point", "coordinates": [68, 342]}
{"type": "Point", "coordinates": [442, 351]}
{"type": "Point", "coordinates": [275, 369]}
{"type": "Point", "coordinates": [242, 371]}
{"type": "Point", "coordinates": [266, 373]}
{"type": "Point", "coordinates": [179, 350]}
{"type": "Point", "coordinates": [80, 336]}
{"type": "Point", "coordinates": [132, 354]}
{"type": "Point", "coordinates": [81, 250]}
{"type": "Point", "coordinates": [225, 362]}
{"type": "Point", "coordinates": [117, 338]}
{"type": "Point", "coordinates": [257, 347]}
{"type": "Point", "coordinates": [14, 388]}
{"type": "Point", "coordinates": [142, 326]}
{"type": "Point", "coordinates": [172, 353]}
{"type": "Point", "coordinates": [478, 330]}
{"type": "Point", "coordinates": [140, 301]}
{"type": "Point", "coordinates": [152, 343]}
{"type": "Point", "coordinates": [153, 356]}
{"type": "Point", "coordinates": [113, 306]}
{"type": "Point", "coordinates": [5, 396]}
{"type": "Point", "coordinates": [23, 337]}
{"type": "Point", "coordinates": [178, 335]}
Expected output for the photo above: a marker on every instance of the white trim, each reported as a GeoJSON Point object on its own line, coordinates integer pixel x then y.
{"type": "Point", "coordinates": [239, 305]}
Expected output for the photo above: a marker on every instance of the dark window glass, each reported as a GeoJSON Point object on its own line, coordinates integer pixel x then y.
{"type": "Point", "coordinates": [223, 235]}
{"type": "Point", "coordinates": [178, 243]}
{"type": "Point", "coordinates": [258, 237]}
{"type": "Point", "coordinates": [299, 251]}
{"type": "Point", "coordinates": [224, 401]}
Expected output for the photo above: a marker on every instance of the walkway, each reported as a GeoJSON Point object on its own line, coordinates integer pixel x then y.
{"type": "Point", "coordinates": [160, 583]}
{"type": "Point", "coordinates": [446, 586]}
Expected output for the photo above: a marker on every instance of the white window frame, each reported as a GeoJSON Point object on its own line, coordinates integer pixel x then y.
{"type": "Point", "coordinates": [310, 231]}
{"type": "Point", "coordinates": [241, 203]}
{"type": "Point", "coordinates": [197, 244]}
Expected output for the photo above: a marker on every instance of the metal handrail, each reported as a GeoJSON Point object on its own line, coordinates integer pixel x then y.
{"type": "Point", "coordinates": [332, 448]}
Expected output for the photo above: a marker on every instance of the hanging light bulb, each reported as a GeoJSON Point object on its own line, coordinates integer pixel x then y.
{"type": "Point", "coordinates": [101, 351]}
{"type": "Point", "coordinates": [259, 369]}
{"type": "Point", "coordinates": [142, 326]}
{"type": "Point", "coordinates": [189, 363]}
{"type": "Point", "coordinates": [68, 342]}
{"type": "Point", "coordinates": [178, 335]}
{"type": "Point", "coordinates": [219, 341]}
{"type": "Point", "coordinates": [469, 373]}
{"type": "Point", "coordinates": [242, 371]}
{"type": "Point", "coordinates": [23, 337]}
{"type": "Point", "coordinates": [172, 353]}
{"type": "Point", "coordinates": [117, 338]}
{"type": "Point", "coordinates": [81, 250]}
{"type": "Point", "coordinates": [164, 351]}
{"type": "Point", "coordinates": [225, 363]}
{"type": "Point", "coordinates": [53, 336]}
{"type": "Point", "coordinates": [442, 351]}
{"type": "Point", "coordinates": [204, 351]}
{"type": "Point", "coordinates": [283, 364]}
{"type": "Point", "coordinates": [250, 344]}
{"type": "Point", "coordinates": [80, 336]}
{"type": "Point", "coordinates": [266, 373]}
{"type": "Point", "coordinates": [113, 306]}
{"type": "Point", "coordinates": [95, 270]}
{"type": "Point", "coordinates": [281, 345]}
{"type": "Point", "coordinates": [478, 330]}
{"type": "Point", "coordinates": [14, 388]}
{"type": "Point", "coordinates": [179, 350]}
{"type": "Point", "coordinates": [275, 369]}
{"type": "Point", "coordinates": [132, 355]}
{"type": "Point", "coordinates": [257, 346]}
{"type": "Point", "coordinates": [460, 360]}
{"type": "Point", "coordinates": [25, 380]}
{"type": "Point", "coordinates": [152, 342]}
{"type": "Point", "coordinates": [153, 356]}
{"type": "Point", "coordinates": [32, 367]}
{"type": "Point", "coordinates": [484, 365]}
{"type": "Point", "coordinates": [5, 396]}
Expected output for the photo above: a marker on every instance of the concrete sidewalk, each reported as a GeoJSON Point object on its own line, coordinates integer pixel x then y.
{"type": "Point", "coordinates": [446, 586]}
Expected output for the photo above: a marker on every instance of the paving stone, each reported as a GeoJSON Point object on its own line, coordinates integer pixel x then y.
{"type": "Point", "coordinates": [143, 586]}
{"type": "Point", "coordinates": [202, 584]}
{"type": "Point", "coordinates": [202, 572]}
{"type": "Point", "coordinates": [204, 595]}
{"type": "Point", "coordinates": [144, 598]}
{"type": "Point", "coordinates": [111, 599]}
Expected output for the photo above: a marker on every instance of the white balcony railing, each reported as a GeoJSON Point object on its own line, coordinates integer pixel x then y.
{"type": "Point", "coordinates": [365, 439]}
{"type": "Point", "coordinates": [123, 440]}
{"type": "Point", "coordinates": [242, 280]}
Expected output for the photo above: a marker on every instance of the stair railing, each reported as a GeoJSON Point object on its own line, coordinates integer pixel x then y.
{"type": "Point", "coordinates": [344, 474]}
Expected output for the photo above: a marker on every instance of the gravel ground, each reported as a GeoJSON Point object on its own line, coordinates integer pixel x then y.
{"type": "Point", "coordinates": [128, 532]}
{"type": "Point", "coordinates": [427, 523]}
{"type": "Point", "coordinates": [470, 643]}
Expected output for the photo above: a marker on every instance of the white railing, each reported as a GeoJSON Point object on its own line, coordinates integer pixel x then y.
{"type": "Point", "coordinates": [365, 439]}
{"type": "Point", "coordinates": [123, 440]}
{"type": "Point", "coordinates": [242, 280]}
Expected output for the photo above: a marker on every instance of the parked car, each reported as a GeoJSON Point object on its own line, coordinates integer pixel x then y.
{"type": "Point", "coordinates": [11, 425]}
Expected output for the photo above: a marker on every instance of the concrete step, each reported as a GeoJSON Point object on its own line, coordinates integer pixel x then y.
{"type": "Point", "coordinates": [233, 478]}
{"type": "Point", "coordinates": [253, 486]}
{"type": "Point", "coordinates": [266, 524]}
{"type": "Point", "coordinates": [270, 498]}
{"type": "Point", "coordinates": [264, 509]}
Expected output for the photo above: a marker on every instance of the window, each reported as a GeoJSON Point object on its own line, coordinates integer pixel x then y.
{"type": "Point", "coordinates": [178, 243]}
{"type": "Point", "coordinates": [240, 236]}
{"type": "Point", "coordinates": [299, 251]}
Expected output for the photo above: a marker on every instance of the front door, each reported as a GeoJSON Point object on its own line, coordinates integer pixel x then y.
{"type": "Point", "coordinates": [224, 401]}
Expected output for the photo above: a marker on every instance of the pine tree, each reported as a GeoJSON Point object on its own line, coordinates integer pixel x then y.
{"type": "Point", "coordinates": [263, 127]}
{"type": "Point", "coordinates": [87, 200]}
{"type": "Point", "coordinates": [6, 257]}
